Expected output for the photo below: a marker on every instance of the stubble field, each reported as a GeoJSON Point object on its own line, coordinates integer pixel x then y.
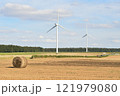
{"type": "Point", "coordinates": [107, 68]}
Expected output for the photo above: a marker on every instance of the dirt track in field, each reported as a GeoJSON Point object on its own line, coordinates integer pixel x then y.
{"type": "Point", "coordinates": [63, 69]}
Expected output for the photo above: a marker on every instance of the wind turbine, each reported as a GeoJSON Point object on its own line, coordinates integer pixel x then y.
{"type": "Point", "coordinates": [57, 25]}
{"type": "Point", "coordinates": [86, 35]}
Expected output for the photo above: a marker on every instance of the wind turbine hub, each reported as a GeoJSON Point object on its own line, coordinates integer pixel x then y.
{"type": "Point", "coordinates": [56, 24]}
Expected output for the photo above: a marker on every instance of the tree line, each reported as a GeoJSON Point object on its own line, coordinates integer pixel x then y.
{"type": "Point", "coordinates": [15, 48]}
{"type": "Point", "coordinates": [83, 50]}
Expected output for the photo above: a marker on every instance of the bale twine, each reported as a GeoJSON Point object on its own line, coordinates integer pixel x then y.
{"type": "Point", "coordinates": [20, 62]}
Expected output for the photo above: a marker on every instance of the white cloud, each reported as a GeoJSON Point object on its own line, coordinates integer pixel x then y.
{"type": "Point", "coordinates": [116, 41]}
{"type": "Point", "coordinates": [101, 25]}
{"type": "Point", "coordinates": [75, 4]}
{"type": "Point", "coordinates": [14, 31]}
{"type": "Point", "coordinates": [3, 27]}
{"type": "Point", "coordinates": [41, 37]}
{"type": "Point", "coordinates": [25, 40]}
{"type": "Point", "coordinates": [96, 10]}
{"type": "Point", "coordinates": [50, 40]}
{"type": "Point", "coordinates": [90, 25]}
{"type": "Point", "coordinates": [96, 45]}
{"type": "Point", "coordinates": [86, 20]}
{"type": "Point", "coordinates": [28, 31]}
{"type": "Point", "coordinates": [26, 12]}
{"type": "Point", "coordinates": [9, 31]}
{"type": "Point", "coordinates": [69, 33]}
{"type": "Point", "coordinates": [116, 22]}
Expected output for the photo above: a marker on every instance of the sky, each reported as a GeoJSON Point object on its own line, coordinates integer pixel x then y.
{"type": "Point", "coordinates": [26, 22]}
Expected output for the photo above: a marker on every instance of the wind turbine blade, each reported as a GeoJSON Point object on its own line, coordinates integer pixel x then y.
{"type": "Point", "coordinates": [51, 28]}
{"type": "Point", "coordinates": [63, 28]}
{"type": "Point", "coordinates": [58, 18]}
{"type": "Point", "coordinates": [84, 35]}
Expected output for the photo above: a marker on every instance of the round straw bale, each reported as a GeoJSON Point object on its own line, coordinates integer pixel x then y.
{"type": "Point", "coordinates": [20, 62]}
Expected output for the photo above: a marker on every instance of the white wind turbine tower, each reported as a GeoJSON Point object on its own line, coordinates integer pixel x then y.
{"type": "Point", "coordinates": [86, 35]}
{"type": "Point", "coordinates": [57, 29]}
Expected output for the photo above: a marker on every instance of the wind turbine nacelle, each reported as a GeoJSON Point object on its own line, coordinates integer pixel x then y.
{"type": "Point", "coordinates": [56, 24]}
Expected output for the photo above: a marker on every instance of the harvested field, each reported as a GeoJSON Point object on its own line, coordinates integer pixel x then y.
{"type": "Point", "coordinates": [107, 68]}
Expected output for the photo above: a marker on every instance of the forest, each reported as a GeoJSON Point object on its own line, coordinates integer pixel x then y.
{"type": "Point", "coordinates": [15, 48]}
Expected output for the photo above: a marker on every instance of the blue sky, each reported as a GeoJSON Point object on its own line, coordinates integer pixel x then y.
{"type": "Point", "coordinates": [25, 22]}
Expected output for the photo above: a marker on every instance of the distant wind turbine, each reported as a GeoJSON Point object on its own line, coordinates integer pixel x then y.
{"type": "Point", "coordinates": [57, 25]}
{"type": "Point", "coordinates": [86, 35]}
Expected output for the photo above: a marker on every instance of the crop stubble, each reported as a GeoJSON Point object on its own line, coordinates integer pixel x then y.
{"type": "Point", "coordinates": [63, 69]}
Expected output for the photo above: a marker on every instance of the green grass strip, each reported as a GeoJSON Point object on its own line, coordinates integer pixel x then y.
{"type": "Point", "coordinates": [66, 56]}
